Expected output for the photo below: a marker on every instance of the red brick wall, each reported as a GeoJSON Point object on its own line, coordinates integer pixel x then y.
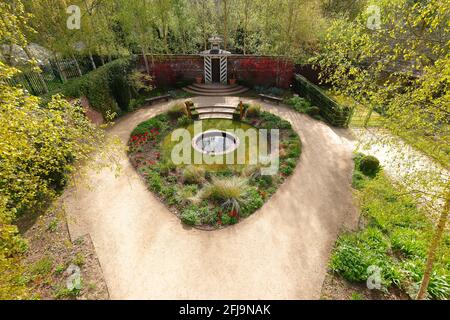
{"type": "Point", "coordinates": [168, 70]}
{"type": "Point", "coordinates": [262, 71]}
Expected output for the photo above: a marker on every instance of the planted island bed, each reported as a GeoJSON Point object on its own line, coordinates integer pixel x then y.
{"type": "Point", "coordinates": [210, 196]}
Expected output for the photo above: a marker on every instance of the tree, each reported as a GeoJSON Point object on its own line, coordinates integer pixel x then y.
{"type": "Point", "coordinates": [40, 146]}
{"type": "Point", "coordinates": [13, 23]}
{"type": "Point", "coordinates": [136, 19]}
{"type": "Point", "coordinates": [225, 23]}
{"type": "Point", "coordinates": [403, 70]}
{"type": "Point", "coordinates": [163, 10]}
{"type": "Point", "coordinates": [203, 12]}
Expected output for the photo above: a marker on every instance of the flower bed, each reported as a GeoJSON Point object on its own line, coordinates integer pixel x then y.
{"type": "Point", "coordinates": [210, 196]}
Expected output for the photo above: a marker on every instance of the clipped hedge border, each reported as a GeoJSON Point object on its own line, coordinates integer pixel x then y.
{"type": "Point", "coordinates": [330, 110]}
{"type": "Point", "coordinates": [106, 87]}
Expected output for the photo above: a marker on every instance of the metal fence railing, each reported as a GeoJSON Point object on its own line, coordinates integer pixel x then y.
{"type": "Point", "coordinates": [52, 75]}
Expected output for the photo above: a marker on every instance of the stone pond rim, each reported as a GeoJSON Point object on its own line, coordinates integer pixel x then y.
{"type": "Point", "coordinates": [223, 142]}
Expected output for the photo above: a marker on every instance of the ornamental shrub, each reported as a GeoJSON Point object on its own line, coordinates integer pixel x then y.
{"type": "Point", "coordinates": [253, 111]}
{"type": "Point", "coordinates": [154, 181]}
{"type": "Point", "coordinates": [286, 170]}
{"type": "Point", "coordinates": [164, 168]}
{"type": "Point", "coordinates": [207, 215]}
{"type": "Point", "coordinates": [369, 165]}
{"type": "Point", "coordinates": [176, 111]}
{"type": "Point", "coordinates": [313, 111]}
{"type": "Point", "coordinates": [264, 181]}
{"type": "Point", "coordinates": [107, 87]}
{"type": "Point", "coordinates": [227, 219]}
{"type": "Point", "coordinates": [355, 253]}
{"type": "Point", "coordinates": [184, 121]}
{"type": "Point", "coordinates": [299, 104]}
{"type": "Point", "coordinates": [40, 143]}
{"type": "Point", "coordinates": [252, 201]}
{"type": "Point", "coordinates": [358, 180]}
{"type": "Point", "coordinates": [190, 216]}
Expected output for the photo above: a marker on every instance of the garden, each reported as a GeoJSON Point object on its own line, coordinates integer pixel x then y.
{"type": "Point", "coordinates": [393, 236]}
{"type": "Point", "coordinates": [321, 125]}
{"type": "Point", "coordinates": [211, 196]}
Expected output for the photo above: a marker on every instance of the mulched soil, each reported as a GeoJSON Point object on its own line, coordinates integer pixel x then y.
{"type": "Point", "coordinates": [336, 288]}
{"type": "Point", "coordinates": [50, 252]}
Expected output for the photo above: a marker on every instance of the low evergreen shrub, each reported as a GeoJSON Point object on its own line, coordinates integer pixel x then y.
{"type": "Point", "coordinates": [369, 165]}
{"type": "Point", "coordinates": [176, 111]}
{"type": "Point", "coordinates": [106, 87]}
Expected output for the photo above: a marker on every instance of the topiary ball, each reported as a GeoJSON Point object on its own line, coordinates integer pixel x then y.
{"type": "Point", "coordinates": [369, 165]}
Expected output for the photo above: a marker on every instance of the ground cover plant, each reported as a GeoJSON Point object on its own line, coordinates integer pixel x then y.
{"type": "Point", "coordinates": [303, 105]}
{"type": "Point", "coordinates": [209, 196]}
{"type": "Point", "coordinates": [395, 238]}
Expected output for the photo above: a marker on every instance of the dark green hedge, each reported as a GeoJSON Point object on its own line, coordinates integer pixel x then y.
{"type": "Point", "coordinates": [106, 87]}
{"type": "Point", "coordinates": [330, 110]}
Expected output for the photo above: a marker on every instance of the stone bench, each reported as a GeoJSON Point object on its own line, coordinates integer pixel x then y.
{"type": "Point", "coordinates": [157, 98]}
{"type": "Point", "coordinates": [271, 98]}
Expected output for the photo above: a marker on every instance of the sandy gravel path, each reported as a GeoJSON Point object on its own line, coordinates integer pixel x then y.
{"type": "Point", "coordinates": [280, 252]}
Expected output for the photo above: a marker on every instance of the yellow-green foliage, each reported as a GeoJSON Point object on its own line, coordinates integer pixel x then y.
{"type": "Point", "coordinates": [38, 146]}
{"type": "Point", "coordinates": [11, 288]}
{"type": "Point", "coordinates": [253, 110]}
{"type": "Point", "coordinates": [402, 69]}
{"type": "Point", "coordinates": [11, 245]}
{"type": "Point", "coordinates": [38, 149]}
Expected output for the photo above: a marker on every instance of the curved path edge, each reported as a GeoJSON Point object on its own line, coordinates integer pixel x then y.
{"type": "Point", "coordinates": [280, 252]}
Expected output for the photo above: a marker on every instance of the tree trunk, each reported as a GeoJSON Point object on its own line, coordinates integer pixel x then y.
{"type": "Point", "coordinates": [9, 58]}
{"type": "Point", "coordinates": [92, 60]}
{"type": "Point", "coordinates": [367, 119]}
{"type": "Point", "coordinates": [77, 65]}
{"type": "Point", "coordinates": [144, 56]}
{"type": "Point", "coordinates": [225, 25]}
{"type": "Point", "coordinates": [246, 9]}
{"type": "Point", "coordinates": [433, 248]}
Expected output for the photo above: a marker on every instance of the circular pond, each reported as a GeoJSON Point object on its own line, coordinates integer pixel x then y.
{"type": "Point", "coordinates": [215, 142]}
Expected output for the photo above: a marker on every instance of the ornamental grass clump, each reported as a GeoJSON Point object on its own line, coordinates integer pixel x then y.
{"type": "Point", "coordinates": [193, 175]}
{"type": "Point", "coordinates": [176, 111]}
{"type": "Point", "coordinates": [227, 188]}
{"type": "Point", "coordinates": [253, 111]}
{"type": "Point", "coordinates": [228, 191]}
